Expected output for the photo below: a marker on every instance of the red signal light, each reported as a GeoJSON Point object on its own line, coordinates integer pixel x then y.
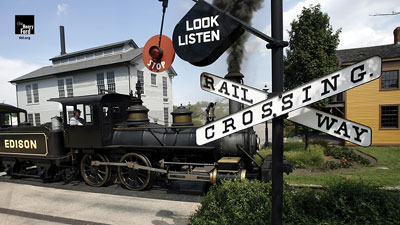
{"type": "Point", "coordinates": [156, 53]}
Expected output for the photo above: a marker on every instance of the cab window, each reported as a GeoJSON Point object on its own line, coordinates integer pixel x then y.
{"type": "Point", "coordinates": [88, 114]}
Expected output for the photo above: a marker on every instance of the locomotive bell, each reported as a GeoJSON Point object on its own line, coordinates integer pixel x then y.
{"type": "Point", "coordinates": [182, 117]}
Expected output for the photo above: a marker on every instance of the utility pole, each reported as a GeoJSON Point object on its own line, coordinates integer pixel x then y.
{"type": "Point", "coordinates": [277, 123]}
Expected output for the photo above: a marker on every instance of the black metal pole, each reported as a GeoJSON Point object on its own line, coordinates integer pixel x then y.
{"type": "Point", "coordinates": [266, 144]}
{"type": "Point", "coordinates": [277, 123]}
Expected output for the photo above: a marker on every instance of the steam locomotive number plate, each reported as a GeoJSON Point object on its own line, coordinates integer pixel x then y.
{"type": "Point", "coordinates": [23, 144]}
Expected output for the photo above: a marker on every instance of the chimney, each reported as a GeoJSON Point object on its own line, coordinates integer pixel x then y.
{"type": "Point", "coordinates": [237, 77]}
{"type": "Point", "coordinates": [62, 40]}
{"type": "Point", "coordinates": [396, 34]}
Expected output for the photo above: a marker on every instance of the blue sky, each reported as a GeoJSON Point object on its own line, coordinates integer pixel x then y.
{"type": "Point", "coordinates": [92, 23]}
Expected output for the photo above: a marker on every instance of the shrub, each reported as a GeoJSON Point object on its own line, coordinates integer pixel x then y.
{"type": "Point", "coordinates": [345, 202]}
{"type": "Point", "coordinates": [293, 146]}
{"type": "Point", "coordinates": [361, 203]}
{"type": "Point", "coordinates": [314, 158]}
{"type": "Point", "coordinates": [234, 202]}
{"type": "Point", "coordinates": [332, 165]}
{"type": "Point", "coordinates": [346, 155]}
{"type": "Point", "coordinates": [320, 141]}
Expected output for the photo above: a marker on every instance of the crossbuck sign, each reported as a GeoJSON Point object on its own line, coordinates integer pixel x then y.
{"type": "Point", "coordinates": [325, 122]}
{"type": "Point", "coordinates": [293, 103]}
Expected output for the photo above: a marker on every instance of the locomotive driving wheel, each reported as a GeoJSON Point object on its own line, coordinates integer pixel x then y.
{"type": "Point", "coordinates": [135, 179]}
{"type": "Point", "coordinates": [95, 176]}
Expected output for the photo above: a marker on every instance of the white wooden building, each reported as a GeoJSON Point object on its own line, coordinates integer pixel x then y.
{"type": "Point", "coordinates": [114, 67]}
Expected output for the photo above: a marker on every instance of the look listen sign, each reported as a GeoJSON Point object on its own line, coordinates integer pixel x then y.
{"type": "Point", "coordinates": [204, 34]}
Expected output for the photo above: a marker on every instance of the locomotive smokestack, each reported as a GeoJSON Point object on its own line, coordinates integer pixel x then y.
{"type": "Point", "coordinates": [236, 77]}
{"type": "Point", "coordinates": [62, 40]}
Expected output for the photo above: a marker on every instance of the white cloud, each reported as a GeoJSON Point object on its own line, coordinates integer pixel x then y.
{"type": "Point", "coordinates": [62, 9]}
{"type": "Point", "coordinates": [10, 69]}
{"type": "Point", "coordinates": [257, 45]}
{"type": "Point", "coordinates": [359, 29]}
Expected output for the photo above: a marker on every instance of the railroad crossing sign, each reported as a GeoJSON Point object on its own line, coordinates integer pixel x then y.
{"type": "Point", "coordinates": [306, 94]}
{"type": "Point", "coordinates": [318, 120]}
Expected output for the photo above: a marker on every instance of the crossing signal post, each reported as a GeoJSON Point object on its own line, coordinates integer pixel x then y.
{"type": "Point", "coordinates": [277, 123]}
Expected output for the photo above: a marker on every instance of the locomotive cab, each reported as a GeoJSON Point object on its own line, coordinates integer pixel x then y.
{"type": "Point", "coordinates": [11, 116]}
{"type": "Point", "coordinates": [100, 113]}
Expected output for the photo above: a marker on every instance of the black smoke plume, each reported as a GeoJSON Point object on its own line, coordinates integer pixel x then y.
{"type": "Point", "coordinates": [242, 9]}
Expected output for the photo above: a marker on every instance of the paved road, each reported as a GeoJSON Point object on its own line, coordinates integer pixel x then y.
{"type": "Point", "coordinates": [31, 202]}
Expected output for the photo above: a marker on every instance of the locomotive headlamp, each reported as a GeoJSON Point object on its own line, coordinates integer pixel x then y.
{"type": "Point", "coordinates": [156, 53]}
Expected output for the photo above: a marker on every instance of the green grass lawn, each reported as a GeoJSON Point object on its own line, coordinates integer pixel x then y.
{"type": "Point", "coordinates": [387, 157]}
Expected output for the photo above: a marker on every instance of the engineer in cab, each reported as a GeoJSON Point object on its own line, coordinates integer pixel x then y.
{"type": "Point", "coordinates": [76, 120]}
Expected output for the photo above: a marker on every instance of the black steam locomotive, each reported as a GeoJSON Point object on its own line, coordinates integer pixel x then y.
{"type": "Point", "coordinates": [118, 139]}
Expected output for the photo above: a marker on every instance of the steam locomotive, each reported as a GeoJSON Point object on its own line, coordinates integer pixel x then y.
{"type": "Point", "coordinates": [118, 140]}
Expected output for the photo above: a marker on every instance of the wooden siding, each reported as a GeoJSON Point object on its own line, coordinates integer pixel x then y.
{"type": "Point", "coordinates": [363, 106]}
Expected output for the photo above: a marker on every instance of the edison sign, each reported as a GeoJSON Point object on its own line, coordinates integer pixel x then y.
{"type": "Point", "coordinates": [23, 143]}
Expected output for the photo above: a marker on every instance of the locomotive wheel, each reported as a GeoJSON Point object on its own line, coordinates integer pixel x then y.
{"type": "Point", "coordinates": [95, 176]}
{"type": "Point", "coordinates": [135, 179]}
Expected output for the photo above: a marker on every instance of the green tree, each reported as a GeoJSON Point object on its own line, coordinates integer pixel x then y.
{"type": "Point", "coordinates": [311, 53]}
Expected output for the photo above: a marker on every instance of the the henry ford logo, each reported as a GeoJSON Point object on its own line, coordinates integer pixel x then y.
{"type": "Point", "coordinates": [23, 143]}
{"type": "Point", "coordinates": [24, 24]}
{"type": "Point", "coordinates": [204, 33]}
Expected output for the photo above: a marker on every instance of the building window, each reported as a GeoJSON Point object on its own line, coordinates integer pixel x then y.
{"type": "Point", "coordinates": [65, 84]}
{"type": "Point", "coordinates": [165, 115]}
{"type": "Point", "coordinates": [390, 79]}
{"type": "Point", "coordinates": [37, 119]}
{"type": "Point", "coordinates": [153, 79]}
{"type": "Point", "coordinates": [390, 116]}
{"type": "Point", "coordinates": [64, 61]}
{"type": "Point", "coordinates": [61, 89]}
{"type": "Point", "coordinates": [141, 79]}
{"type": "Point", "coordinates": [32, 90]}
{"type": "Point", "coordinates": [110, 81]}
{"type": "Point", "coordinates": [28, 93]}
{"type": "Point", "coordinates": [165, 87]}
{"type": "Point", "coordinates": [35, 89]}
{"type": "Point", "coordinates": [100, 83]}
{"type": "Point", "coordinates": [30, 118]}
{"type": "Point", "coordinates": [70, 87]}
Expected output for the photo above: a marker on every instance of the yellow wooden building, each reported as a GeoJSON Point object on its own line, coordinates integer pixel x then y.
{"type": "Point", "coordinates": [375, 104]}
